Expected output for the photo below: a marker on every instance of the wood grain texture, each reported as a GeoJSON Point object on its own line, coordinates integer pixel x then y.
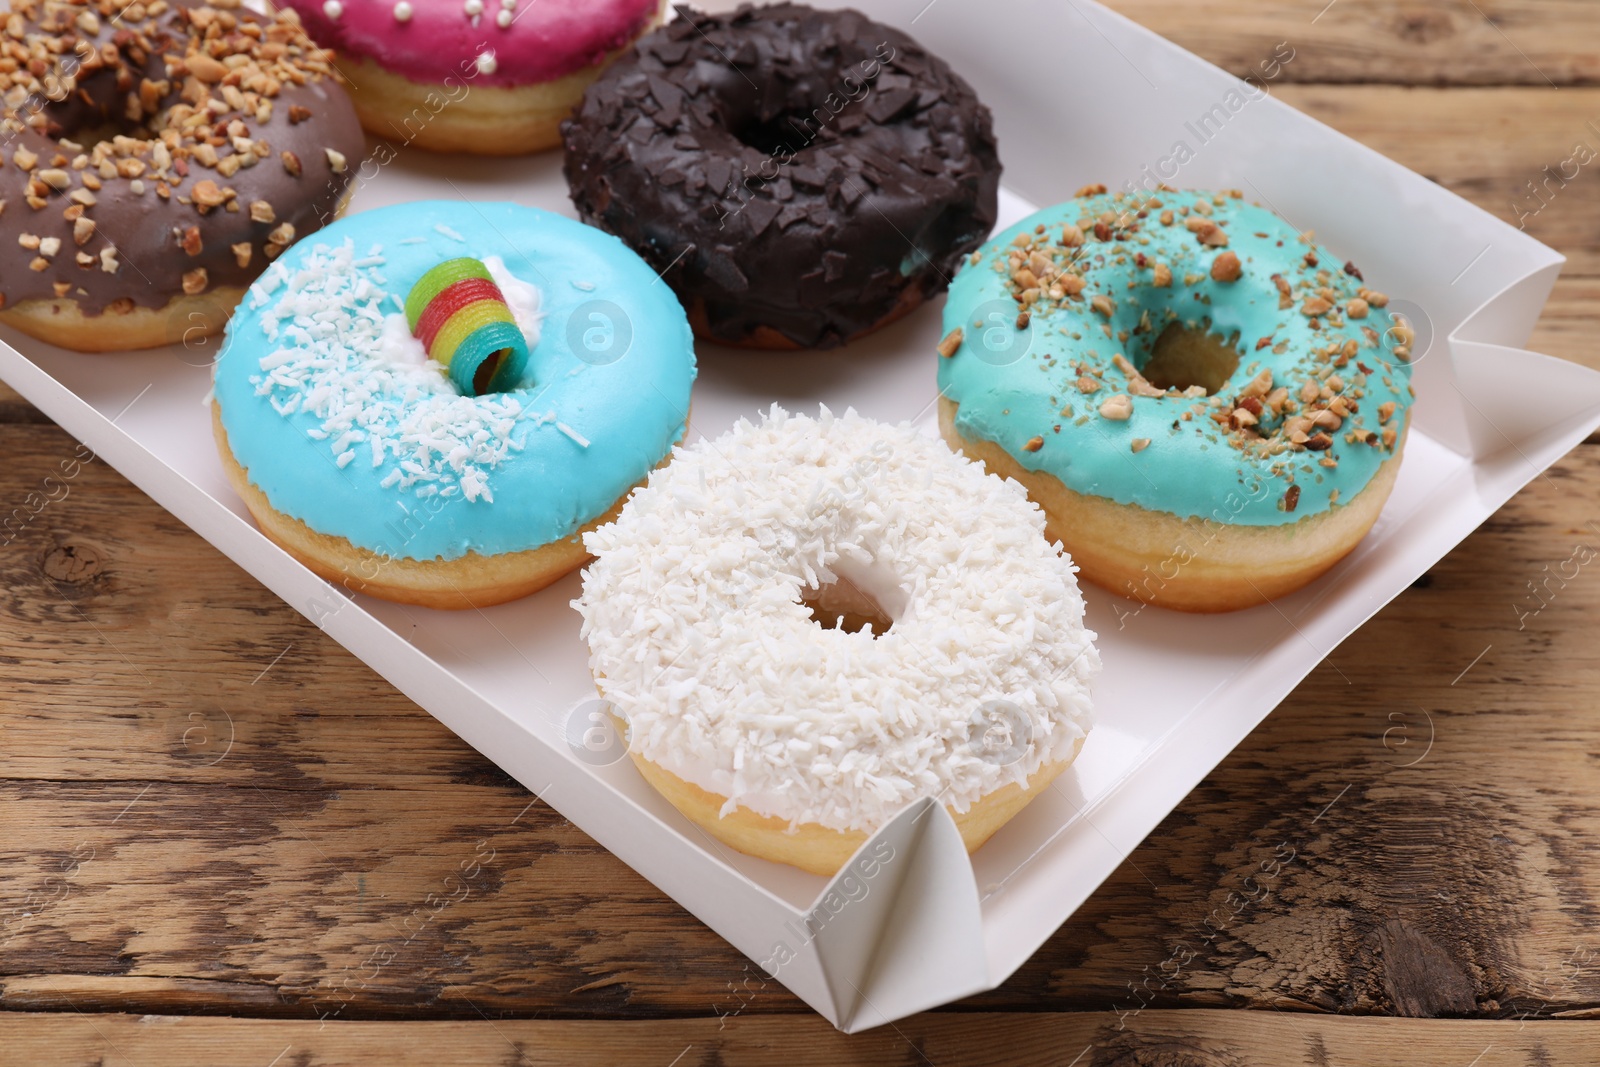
{"type": "Point", "coordinates": [1547, 43]}
{"type": "Point", "coordinates": [1507, 150]}
{"type": "Point", "coordinates": [209, 808]}
{"type": "Point", "coordinates": [1154, 1039]}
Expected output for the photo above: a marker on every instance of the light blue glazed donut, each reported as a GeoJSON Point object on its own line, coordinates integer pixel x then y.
{"type": "Point", "coordinates": [1208, 406]}
{"type": "Point", "coordinates": [333, 411]}
{"type": "Point", "coordinates": [1031, 372]}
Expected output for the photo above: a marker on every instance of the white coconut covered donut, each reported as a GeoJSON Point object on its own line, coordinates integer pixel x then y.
{"type": "Point", "coordinates": [794, 741]}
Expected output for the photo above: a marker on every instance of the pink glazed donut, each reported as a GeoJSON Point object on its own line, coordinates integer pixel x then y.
{"type": "Point", "coordinates": [494, 77]}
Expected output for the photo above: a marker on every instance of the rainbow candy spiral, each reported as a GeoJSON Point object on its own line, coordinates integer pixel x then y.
{"type": "Point", "coordinates": [460, 316]}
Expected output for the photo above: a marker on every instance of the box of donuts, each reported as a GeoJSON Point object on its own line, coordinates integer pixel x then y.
{"type": "Point", "coordinates": [864, 467]}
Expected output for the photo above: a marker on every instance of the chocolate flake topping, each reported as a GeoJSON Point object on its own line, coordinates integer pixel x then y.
{"type": "Point", "coordinates": [799, 176]}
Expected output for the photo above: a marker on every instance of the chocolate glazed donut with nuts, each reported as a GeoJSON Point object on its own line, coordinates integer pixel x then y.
{"type": "Point", "coordinates": [154, 158]}
{"type": "Point", "coordinates": [799, 177]}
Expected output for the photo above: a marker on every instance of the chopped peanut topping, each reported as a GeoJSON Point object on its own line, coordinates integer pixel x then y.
{"type": "Point", "coordinates": [1119, 407]}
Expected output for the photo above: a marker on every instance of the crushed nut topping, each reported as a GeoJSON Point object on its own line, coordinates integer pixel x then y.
{"type": "Point", "coordinates": [1138, 385]}
{"type": "Point", "coordinates": [1308, 406]}
{"type": "Point", "coordinates": [193, 86]}
{"type": "Point", "coordinates": [1119, 407]}
{"type": "Point", "coordinates": [1227, 268]}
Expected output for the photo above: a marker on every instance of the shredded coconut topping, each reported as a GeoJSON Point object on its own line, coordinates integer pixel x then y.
{"type": "Point", "coordinates": [699, 637]}
{"type": "Point", "coordinates": [341, 359]}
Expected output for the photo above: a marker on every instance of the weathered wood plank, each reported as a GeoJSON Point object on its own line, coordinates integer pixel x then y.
{"type": "Point", "coordinates": [1570, 324]}
{"type": "Point", "coordinates": [15, 409]}
{"type": "Point", "coordinates": [1154, 1039]}
{"type": "Point", "coordinates": [1546, 43]}
{"type": "Point", "coordinates": [187, 833]}
{"type": "Point", "coordinates": [1490, 146]}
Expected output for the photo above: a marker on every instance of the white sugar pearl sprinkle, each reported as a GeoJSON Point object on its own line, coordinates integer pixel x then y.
{"type": "Point", "coordinates": [487, 64]}
{"type": "Point", "coordinates": [473, 7]}
{"type": "Point", "coordinates": [333, 9]}
{"type": "Point", "coordinates": [402, 12]}
{"type": "Point", "coordinates": [503, 19]}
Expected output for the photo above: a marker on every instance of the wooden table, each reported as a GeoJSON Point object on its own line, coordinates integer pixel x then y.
{"type": "Point", "coordinates": [208, 809]}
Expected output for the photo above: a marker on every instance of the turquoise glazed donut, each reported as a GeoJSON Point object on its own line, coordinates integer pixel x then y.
{"type": "Point", "coordinates": [1209, 406]}
{"type": "Point", "coordinates": [360, 456]}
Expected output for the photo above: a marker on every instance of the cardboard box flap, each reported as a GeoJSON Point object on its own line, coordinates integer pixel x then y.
{"type": "Point", "coordinates": [900, 929]}
{"type": "Point", "coordinates": [1512, 399]}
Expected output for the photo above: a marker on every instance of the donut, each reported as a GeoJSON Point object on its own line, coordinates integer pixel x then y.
{"type": "Point", "coordinates": [1208, 405]}
{"type": "Point", "coordinates": [724, 614]}
{"type": "Point", "coordinates": [492, 77]}
{"type": "Point", "coordinates": [389, 473]}
{"type": "Point", "coordinates": [800, 178]}
{"type": "Point", "coordinates": [154, 158]}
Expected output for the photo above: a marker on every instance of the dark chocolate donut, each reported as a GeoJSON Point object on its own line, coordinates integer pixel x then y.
{"type": "Point", "coordinates": [152, 150]}
{"type": "Point", "coordinates": [799, 177]}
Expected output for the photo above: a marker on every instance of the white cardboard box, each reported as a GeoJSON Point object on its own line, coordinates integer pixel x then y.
{"type": "Point", "coordinates": [1080, 95]}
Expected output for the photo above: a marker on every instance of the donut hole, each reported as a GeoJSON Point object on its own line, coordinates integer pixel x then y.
{"type": "Point", "coordinates": [487, 370]}
{"type": "Point", "coordinates": [843, 606]}
{"type": "Point", "coordinates": [790, 130]}
{"type": "Point", "coordinates": [858, 598]}
{"type": "Point", "coordinates": [1184, 355]}
{"type": "Point", "coordinates": [97, 111]}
